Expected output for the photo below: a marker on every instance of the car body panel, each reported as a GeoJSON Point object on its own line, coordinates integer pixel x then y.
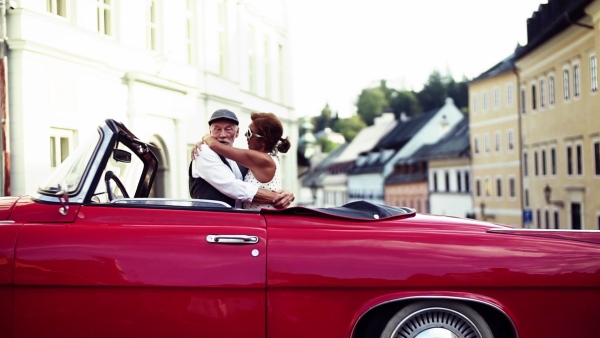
{"type": "Point", "coordinates": [86, 258]}
{"type": "Point", "coordinates": [341, 269]}
{"type": "Point", "coordinates": [143, 270]}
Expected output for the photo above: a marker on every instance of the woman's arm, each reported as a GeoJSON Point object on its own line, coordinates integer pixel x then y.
{"type": "Point", "coordinates": [260, 163]}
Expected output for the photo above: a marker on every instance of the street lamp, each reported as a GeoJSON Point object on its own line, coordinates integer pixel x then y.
{"type": "Point", "coordinates": [548, 195]}
{"type": "Point", "coordinates": [482, 206]}
{"type": "Point", "coordinates": [313, 189]}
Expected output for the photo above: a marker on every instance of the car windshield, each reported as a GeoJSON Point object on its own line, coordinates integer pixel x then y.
{"type": "Point", "coordinates": [70, 173]}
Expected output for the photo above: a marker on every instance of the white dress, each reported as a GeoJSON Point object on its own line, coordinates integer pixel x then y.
{"type": "Point", "coordinates": [274, 184]}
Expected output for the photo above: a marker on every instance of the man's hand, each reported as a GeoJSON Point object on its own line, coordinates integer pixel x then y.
{"type": "Point", "coordinates": [283, 199]}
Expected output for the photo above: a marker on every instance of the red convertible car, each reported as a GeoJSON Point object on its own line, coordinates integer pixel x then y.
{"type": "Point", "coordinates": [91, 255]}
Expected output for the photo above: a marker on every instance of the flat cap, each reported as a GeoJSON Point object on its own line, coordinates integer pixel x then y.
{"type": "Point", "coordinates": [223, 114]}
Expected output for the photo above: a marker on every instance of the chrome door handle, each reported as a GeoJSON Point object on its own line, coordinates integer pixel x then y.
{"type": "Point", "coordinates": [232, 239]}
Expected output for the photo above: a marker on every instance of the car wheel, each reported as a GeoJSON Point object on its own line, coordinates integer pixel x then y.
{"type": "Point", "coordinates": [431, 319]}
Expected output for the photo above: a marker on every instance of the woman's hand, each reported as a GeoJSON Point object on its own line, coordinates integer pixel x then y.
{"type": "Point", "coordinates": [208, 139]}
{"type": "Point", "coordinates": [196, 149]}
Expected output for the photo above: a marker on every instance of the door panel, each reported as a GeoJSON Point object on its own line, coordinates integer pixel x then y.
{"type": "Point", "coordinates": [151, 274]}
{"type": "Point", "coordinates": [8, 238]}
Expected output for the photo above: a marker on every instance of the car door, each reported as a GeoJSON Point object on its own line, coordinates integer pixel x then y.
{"type": "Point", "coordinates": [127, 271]}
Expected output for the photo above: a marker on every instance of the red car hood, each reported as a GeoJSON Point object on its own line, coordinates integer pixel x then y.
{"type": "Point", "coordinates": [6, 206]}
{"type": "Point", "coordinates": [572, 235]}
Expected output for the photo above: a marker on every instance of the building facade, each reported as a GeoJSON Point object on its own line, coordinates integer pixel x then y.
{"type": "Point", "coordinates": [161, 67]}
{"type": "Point", "coordinates": [495, 148]}
{"type": "Point", "coordinates": [558, 84]}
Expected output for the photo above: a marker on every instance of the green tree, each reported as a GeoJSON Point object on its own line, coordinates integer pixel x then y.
{"type": "Point", "coordinates": [434, 92]}
{"type": "Point", "coordinates": [326, 144]}
{"type": "Point", "coordinates": [349, 127]}
{"type": "Point", "coordinates": [405, 102]}
{"type": "Point", "coordinates": [324, 120]}
{"type": "Point", "coordinates": [459, 92]}
{"type": "Point", "coordinates": [371, 102]}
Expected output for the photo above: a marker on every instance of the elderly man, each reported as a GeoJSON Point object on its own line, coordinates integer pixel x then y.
{"type": "Point", "coordinates": [212, 176]}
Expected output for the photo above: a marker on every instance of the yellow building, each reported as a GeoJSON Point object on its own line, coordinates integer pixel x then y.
{"type": "Point", "coordinates": [495, 150]}
{"type": "Point", "coordinates": [559, 109]}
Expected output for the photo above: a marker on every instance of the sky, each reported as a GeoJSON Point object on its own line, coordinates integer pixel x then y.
{"type": "Point", "coordinates": [339, 47]}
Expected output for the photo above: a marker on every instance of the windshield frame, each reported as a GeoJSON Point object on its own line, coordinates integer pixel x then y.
{"type": "Point", "coordinates": [58, 181]}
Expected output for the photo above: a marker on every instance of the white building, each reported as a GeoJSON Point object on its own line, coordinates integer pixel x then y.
{"type": "Point", "coordinates": [367, 178]}
{"type": "Point", "coordinates": [161, 67]}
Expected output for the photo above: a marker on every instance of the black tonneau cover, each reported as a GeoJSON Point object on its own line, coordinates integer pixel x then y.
{"type": "Point", "coordinates": [359, 210]}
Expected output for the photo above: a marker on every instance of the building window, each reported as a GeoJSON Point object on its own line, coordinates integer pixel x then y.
{"type": "Point", "coordinates": [512, 190]}
{"type": "Point", "coordinates": [485, 102]}
{"type": "Point", "coordinates": [57, 7]}
{"type": "Point", "coordinates": [488, 187]}
{"type": "Point", "coordinates": [189, 31]}
{"type": "Point", "coordinates": [478, 187]}
{"type": "Point", "coordinates": [447, 180]}
{"type": "Point", "coordinates": [498, 187]}
{"type": "Point", "coordinates": [538, 220]}
{"type": "Point", "coordinates": [435, 181]}
{"type": "Point", "coordinates": [467, 182]}
{"type": "Point", "coordinates": [497, 140]}
{"type": "Point", "coordinates": [511, 140]}
{"type": "Point", "coordinates": [281, 71]}
{"type": "Point", "coordinates": [525, 165]}
{"type": "Point", "coordinates": [251, 59]}
{"type": "Point", "coordinates": [536, 168]}
{"type": "Point", "coordinates": [476, 144]}
{"type": "Point", "coordinates": [593, 74]}
{"type": "Point", "coordinates": [475, 103]}
{"type": "Point", "coordinates": [496, 97]}
{"type": "Point", "coordinates": [597, 158]}
{"type": "Point", "coordinates": [523, 102]}
{"type": "Point", "coordinates": [267, 67]}
{"type": "Point", "coordinates": [551, 91]}
{"type": "Point", "coordinates": [509, 93]}
{"type": "Point", "coordinates": [569, 160]}
{"type": "Point", "coordinates": [547, 218]}
{"type": "Point", "coordinates": [576, 81]}
{"type": "Point", "coordinates": [486, 143]}
{"type": "Point", "coordinates": [579, 153]}
{"type": "Point", "coordinates": [458, 181]}
{"type": "Point", "coordinates": [222, 37]}
{"type": "Point", "coordinates": [526, 197]}
{"type": "Point", "coordinates": [566, 81]}
{"type": "Point", "coordinates": [533, 97]}
{"type": "Point", "coordinates": [544, 162]}
{"type": "Point", "coordinates": [542, 93]}
{"type": "Point", "coordinates": [61, 145]}
{"type": "Point", "coordinates": [553, 160]}
{"type": "Point", "coordinates": [104, 17]}
{"type": "Point", "coordinates": [556, 220]}
{"type": "Point", "coordinates": [151, 25]}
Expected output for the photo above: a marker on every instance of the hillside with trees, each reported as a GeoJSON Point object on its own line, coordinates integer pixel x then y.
{"type": "Point", "coordinates": [372, 102]}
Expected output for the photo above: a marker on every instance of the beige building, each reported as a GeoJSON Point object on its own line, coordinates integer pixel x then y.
{"type": "Point", "coordinates": [494, 129]}
{"type": "Point", "coordinates": [560, 135]}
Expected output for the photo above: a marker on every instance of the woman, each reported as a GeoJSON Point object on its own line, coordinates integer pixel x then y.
{"type": "Point", "coordinates": [261, 157]}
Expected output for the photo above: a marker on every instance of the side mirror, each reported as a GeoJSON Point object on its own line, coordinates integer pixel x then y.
{"type": "Point", "coordinates": [120, 155]}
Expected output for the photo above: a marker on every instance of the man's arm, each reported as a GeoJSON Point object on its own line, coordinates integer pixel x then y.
{"type": "Point", "coordinates": [209, 166]}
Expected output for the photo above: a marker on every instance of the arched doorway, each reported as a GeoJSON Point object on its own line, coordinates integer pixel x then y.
{"type": "Point", "coordinates": [160, 187]}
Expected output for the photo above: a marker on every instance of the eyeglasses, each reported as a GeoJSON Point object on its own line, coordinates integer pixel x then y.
{"type": "Point", "coordinates": [249, 133]}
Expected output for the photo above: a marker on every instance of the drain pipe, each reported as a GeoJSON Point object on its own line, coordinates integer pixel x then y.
{"type": "Point", "coordinates": [5, 129]}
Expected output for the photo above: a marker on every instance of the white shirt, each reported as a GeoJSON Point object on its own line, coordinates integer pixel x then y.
{"type": "Point", "coordinates": [209, 166]}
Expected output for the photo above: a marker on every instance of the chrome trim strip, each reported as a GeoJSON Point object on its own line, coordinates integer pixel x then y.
{"type": "Point", "coordinates": [7, 222]}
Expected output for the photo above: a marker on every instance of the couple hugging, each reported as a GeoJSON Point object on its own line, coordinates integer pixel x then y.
{"type": "Point", "coordinates": [243, 178]}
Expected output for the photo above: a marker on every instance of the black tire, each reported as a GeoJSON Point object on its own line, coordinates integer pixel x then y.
{"type": "Point", "coordinates": [457, 318]}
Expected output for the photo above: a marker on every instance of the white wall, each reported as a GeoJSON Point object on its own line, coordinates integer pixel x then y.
{"type": "Point", "coordinates": [64, 74]}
